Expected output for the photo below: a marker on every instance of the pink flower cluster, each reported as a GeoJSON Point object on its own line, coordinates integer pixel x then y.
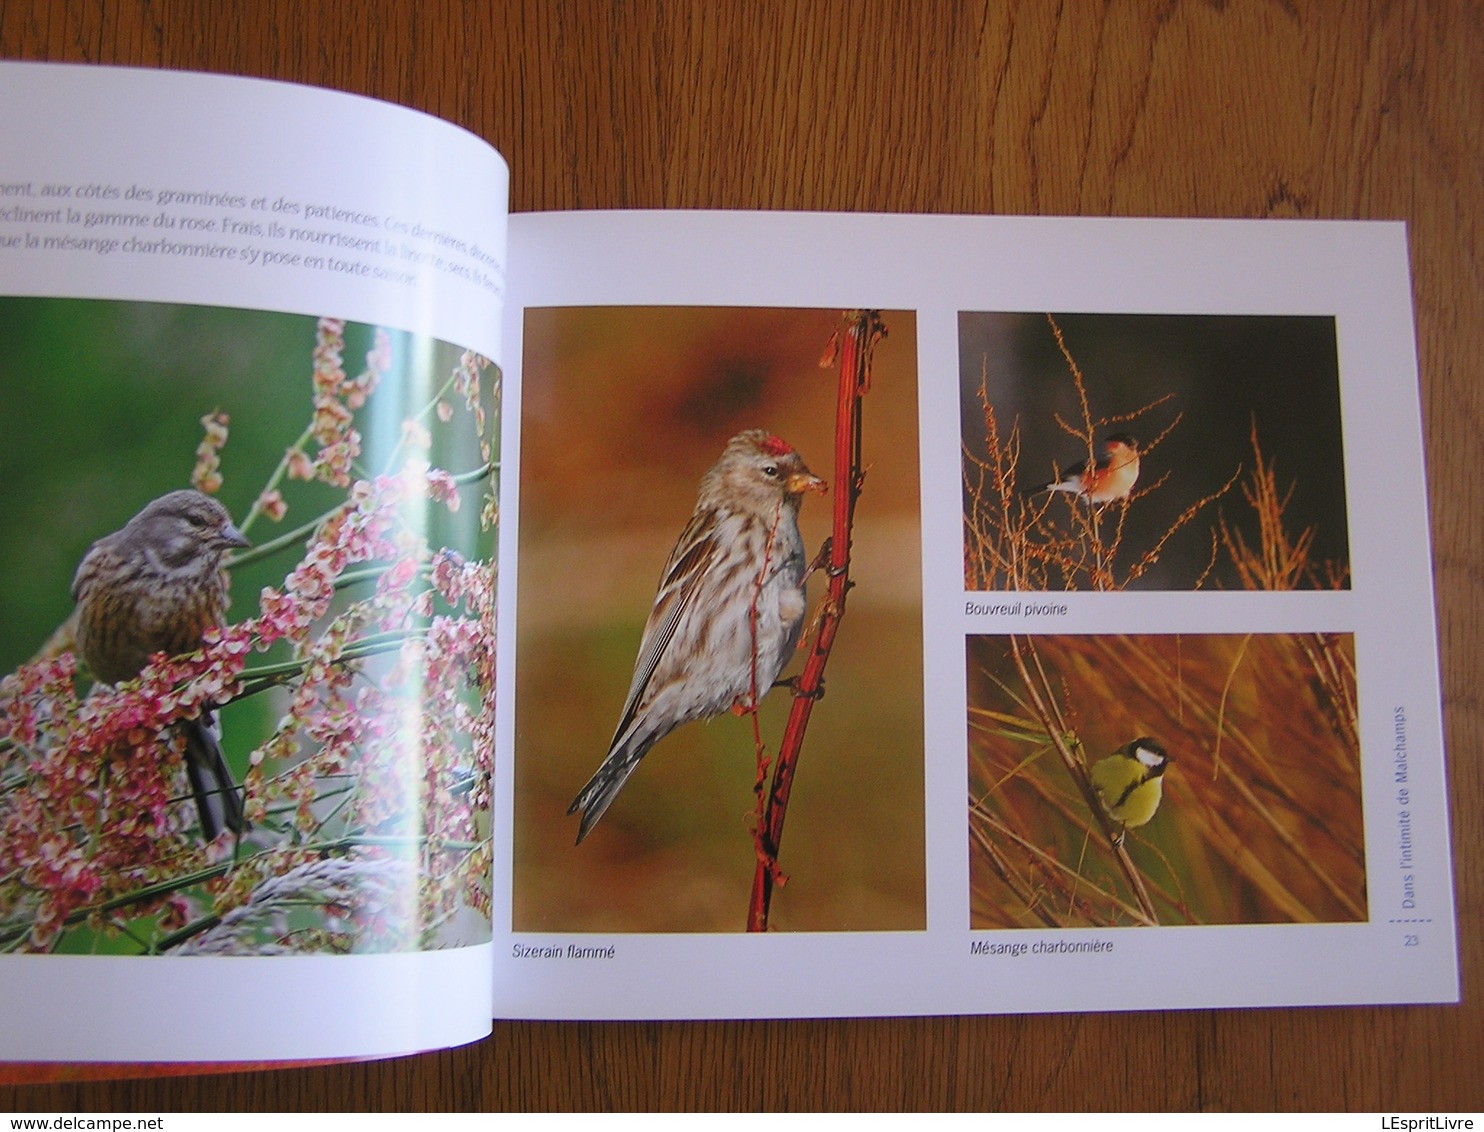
{"type": "Point", "coordinates": [96, 818]}
{"type": "Point", "coordinates": [336, 399]}
{"type": "Point", "coordinates": [466, 382]}
{"type": "Point", "coordinates": [207, 475]}
{"type": "Point", "coordinates": [402, 735]}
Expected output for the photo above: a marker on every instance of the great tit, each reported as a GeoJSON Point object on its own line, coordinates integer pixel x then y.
{"type": "Point", "coordinates": [1130, 782]}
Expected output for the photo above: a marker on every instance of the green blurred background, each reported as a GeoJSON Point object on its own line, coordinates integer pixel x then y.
{"type": "Point", "coordinates": [623, 411]}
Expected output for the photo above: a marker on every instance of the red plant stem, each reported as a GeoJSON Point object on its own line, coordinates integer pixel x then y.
{"type": "Point", "coordinates": [856, 343]}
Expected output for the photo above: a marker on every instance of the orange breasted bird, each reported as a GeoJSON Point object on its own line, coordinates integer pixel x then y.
{"type": "Point", "coordinates": [1110, 477]}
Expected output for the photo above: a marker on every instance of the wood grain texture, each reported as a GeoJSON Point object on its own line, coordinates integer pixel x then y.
{"type": "Point", "coordinates": [1241, 108]}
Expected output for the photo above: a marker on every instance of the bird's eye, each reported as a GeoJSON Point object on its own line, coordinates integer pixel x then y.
{"type": "Point", "coordinates": [770, 470]}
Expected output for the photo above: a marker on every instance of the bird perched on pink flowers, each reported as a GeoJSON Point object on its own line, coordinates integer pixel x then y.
{"type": "Point", "coordinates": [155, 586]}
{"type": "Point", "coordinates": [1110, 477]}
{"type": "Point", "coordinates": [739, 562]}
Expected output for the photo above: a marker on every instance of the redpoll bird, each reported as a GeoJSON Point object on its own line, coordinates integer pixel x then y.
{"type": "Point", "coordinates": [1111, 476]}
{"type": "Point", "coordinates": [729, 609]}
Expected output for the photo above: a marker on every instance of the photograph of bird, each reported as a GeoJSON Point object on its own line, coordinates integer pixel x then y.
{"type": "Point", "coordinates": [1110, 477]}
{"type": "Point", "coordinates": [739, 562]}
{"type": "Point", "coordinates": [155, 586]}
{"type": "Point", "coordinates": [1130, 783]}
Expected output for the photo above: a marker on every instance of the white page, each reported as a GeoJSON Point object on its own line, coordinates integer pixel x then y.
{"type": "Point", "coordinates": [296, 200]}
{"type": "Point", "coordinates": [571, 940]}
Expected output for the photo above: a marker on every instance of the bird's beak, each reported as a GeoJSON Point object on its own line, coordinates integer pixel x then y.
{"type": "Point", "coordinates": [231, 536]}
{"type": "Point", "coordinates": [800, 482]}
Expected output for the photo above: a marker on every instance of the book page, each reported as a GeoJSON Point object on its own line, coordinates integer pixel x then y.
{"type": "Point", "coordinates": [252, 410]}
{"type": "Point", "coordinates": [1129, 664]}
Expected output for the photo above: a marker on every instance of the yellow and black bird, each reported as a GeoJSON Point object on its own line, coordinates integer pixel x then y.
{"type": "Point", "coordinates": [1130, 783]}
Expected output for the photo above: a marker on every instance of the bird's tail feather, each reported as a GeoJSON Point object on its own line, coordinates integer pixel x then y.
{"type": "Point", "coordinates": [218, 800]}
{"type": "Point", "coordinates": [595, 798]}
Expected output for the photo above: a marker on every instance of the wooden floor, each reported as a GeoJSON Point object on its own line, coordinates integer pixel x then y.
{"type": "Point", "coordinates": [1242, 108]}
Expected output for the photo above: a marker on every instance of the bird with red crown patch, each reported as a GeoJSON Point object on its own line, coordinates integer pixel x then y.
{"type": "Point", "coordinates": [728, 613]}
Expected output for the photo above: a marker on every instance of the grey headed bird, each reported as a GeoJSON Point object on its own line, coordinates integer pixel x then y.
{"type": "Point", "coordinates": [155, 586]}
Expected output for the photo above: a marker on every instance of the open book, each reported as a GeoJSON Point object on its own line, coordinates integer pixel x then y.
{"type": "Point", "coordinates": [416, 615]}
